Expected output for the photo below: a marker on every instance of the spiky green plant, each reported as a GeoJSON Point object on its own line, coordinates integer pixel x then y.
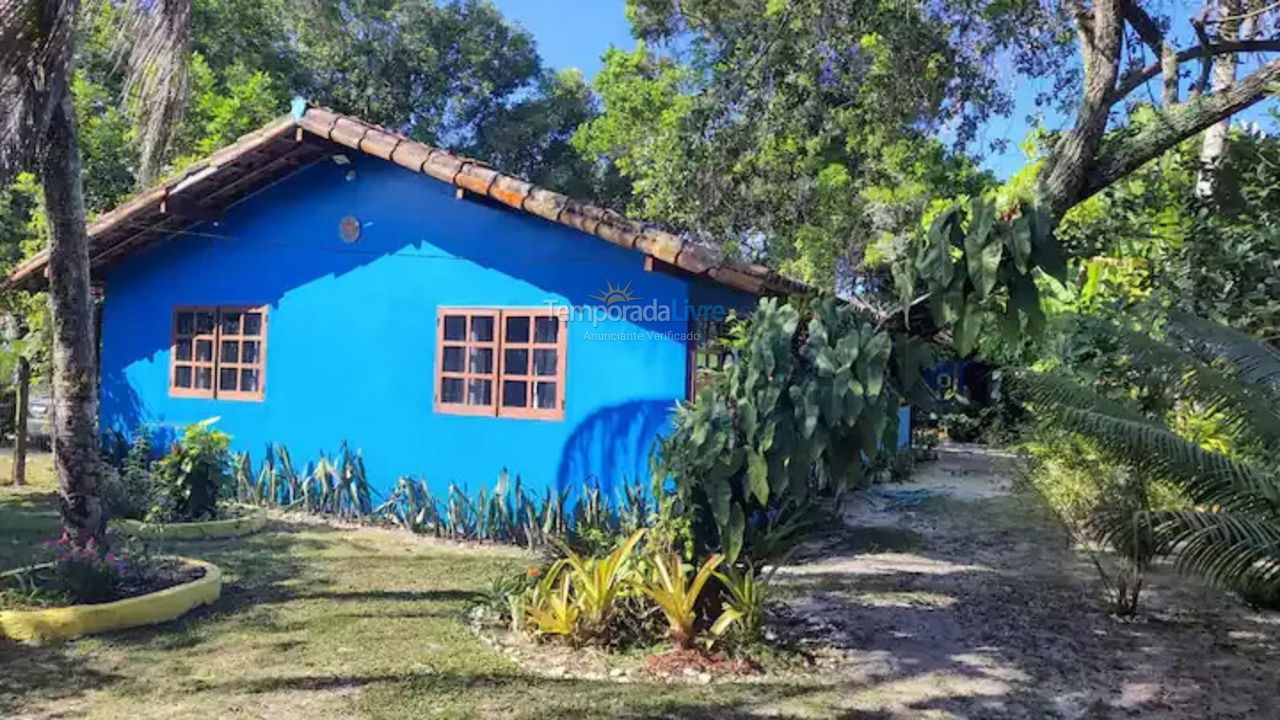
{"type": "Point", "coordinates": [676, 593]}
{"type": "Point", "coordinates": [1228, 531]}
{"type": "Point", "coordinates": [598, 581]}
{"type": "Point", "coordinates": [747, 590]}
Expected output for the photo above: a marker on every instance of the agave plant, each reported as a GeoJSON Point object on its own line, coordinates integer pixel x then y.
{"type": "Point", "coordinates": [1228, 530]}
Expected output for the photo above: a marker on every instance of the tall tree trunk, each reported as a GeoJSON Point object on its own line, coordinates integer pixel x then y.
{"type": "Point", "coordinates": [75, 407]}
{"type": "Point", "coordinates": [1101, 43]}
{"type": "Point", "coordinates": [1214, 147]}
{"type": "Point", "coordinates": [22, 401]}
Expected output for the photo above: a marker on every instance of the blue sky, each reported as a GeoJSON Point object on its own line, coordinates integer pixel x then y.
{"type": "Point", "coordinates": [575, 33]}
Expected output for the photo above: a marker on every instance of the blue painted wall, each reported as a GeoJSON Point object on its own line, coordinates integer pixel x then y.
{"type": "Point", "coordinates": [350, 351]}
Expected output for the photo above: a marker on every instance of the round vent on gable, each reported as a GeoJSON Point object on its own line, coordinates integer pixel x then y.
{"type": "Point", "coordinates": [349, 229]}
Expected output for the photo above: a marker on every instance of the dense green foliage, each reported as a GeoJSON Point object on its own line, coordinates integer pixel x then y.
{"type": "Point", "coordinates": [1221, 522]}
{"type": "Point", "coordinates": [1149, 238]}
{"type": "Point", "coordinates": [193, 476]}
{"type": "Point", "coordinates": [806, 132]}
{"type": "Point", "coordinates": [811, 394]}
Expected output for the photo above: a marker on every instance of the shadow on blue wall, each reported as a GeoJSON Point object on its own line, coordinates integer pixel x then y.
{"type": "Point", "coordinates": [120, 409]}
{"type": "Point", "coordinates": [612, 446]}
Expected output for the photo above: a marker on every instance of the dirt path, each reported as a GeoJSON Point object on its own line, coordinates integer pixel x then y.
{"type": "Point", "coordinates": [969, 603]}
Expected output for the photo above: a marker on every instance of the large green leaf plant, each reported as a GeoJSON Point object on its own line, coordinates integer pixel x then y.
{"type": "Point", "coordinates": [811, 396]}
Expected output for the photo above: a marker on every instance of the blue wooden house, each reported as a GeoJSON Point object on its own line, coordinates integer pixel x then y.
{"type": "Point", "coordinates": [325, 280]}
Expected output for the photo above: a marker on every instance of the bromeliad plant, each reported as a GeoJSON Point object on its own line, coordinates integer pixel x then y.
{"type": "Point", "coordinates": [597, 582]}
{"type": "Point", "coordinates": [746, 591]}
{"type": "Point", "coordinates": [670, 587]}
{"type": "Point", "coordinates": [549, 608]}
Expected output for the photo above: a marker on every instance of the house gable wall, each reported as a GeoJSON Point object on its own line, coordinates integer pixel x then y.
{"type": "Point", "coordinates": [351, 336]}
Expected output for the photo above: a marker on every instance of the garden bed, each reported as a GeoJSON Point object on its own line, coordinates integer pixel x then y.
{"type": "Point", "coordinates": [176, 586]}
{"type": "Point", "coordinates": [245, 520]}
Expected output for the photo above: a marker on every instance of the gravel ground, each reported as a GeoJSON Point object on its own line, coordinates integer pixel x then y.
{"type": "Point", "coordinates": [971, 603]}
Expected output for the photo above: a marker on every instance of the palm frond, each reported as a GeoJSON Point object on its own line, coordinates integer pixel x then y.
{"type": "Point", "coordinates": [1206, 477]}
{"type": "Point", "coordinates": [1247, 415]}
{"type": "Point", "coordinates": [1055, 391]}
{"type": "Point", "coordinates": [35, 61]}
{"type": "Point", "coordinates": [158, 37]}
{"type": "Point", "coordinates": [1235, 551]}
{"type": "Point", "coordinates": [1255, 362]}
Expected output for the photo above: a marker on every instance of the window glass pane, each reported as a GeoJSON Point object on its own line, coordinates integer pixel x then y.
{"type": "Point", "coordinates": [479, 392]}
{"type": "Point", "coordinates": [182, 349]}
{"type": "Point", "coordinates": [515, 393]}
{"type": "Point", "coordinates": [186, 323]}
{"type": "Point", "coordinates": [544, 395]}
{"type": "Point", "coordinates": [230, 351]}
{"type": "Point", "coordinates": [227, 379]}
{"type": "Point", "coordinates": [515, 362]}
{"type": "Point", "coordinates": [455, 327]}
{"type": "Point", "coordinates": [204, 378]}
{"type": "Point", "coordinates": [453, 355]}
{"type": "Point", "coordinates": [481, 360]}
{"type": "Point", "coordinates": [249, 380]}
{"type": "Point", "coordinates": [231, 323]}
{"type": "Point", "coordinates": [253, 323]}
{"type": "Point", "coordinates": [249, 351]}
{"type": "Point", "coordinates": [482, 328]}
{"type": "Point", "coordinates": [204, 322]}
{"type": "Point", "coordinates": [204, 350]}
{"type": "Point", "coordinates": [182, 376]}
{"type": "Point", "coordinates": [544, 362]}
{"type": "Point", "coordinates": [546, 329]}
{"type": "Point", "coordinates": [518, 329]}
{"type": "Point", "coordinates": [451, 390]}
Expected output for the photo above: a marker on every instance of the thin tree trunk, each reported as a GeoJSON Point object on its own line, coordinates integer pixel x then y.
{"type": "Point", "coordinates": [1214, 147]}
{"type": "Point", "coordinates": [75, 411]}
{"type": "Point", "coordinates": [22, 396]}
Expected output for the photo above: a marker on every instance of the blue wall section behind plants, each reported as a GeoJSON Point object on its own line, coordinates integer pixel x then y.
{"type": "Point", "coordinates": [350, 350]}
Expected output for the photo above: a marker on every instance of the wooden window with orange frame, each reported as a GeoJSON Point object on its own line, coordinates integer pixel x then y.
{"type": "Point", "coordinates": [219, 352]}
{"type": "Point", "coordinates": [502, 362]}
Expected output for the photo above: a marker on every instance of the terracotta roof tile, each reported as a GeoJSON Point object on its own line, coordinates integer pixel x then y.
{"type": "Point", "coordinates": [282, 147]}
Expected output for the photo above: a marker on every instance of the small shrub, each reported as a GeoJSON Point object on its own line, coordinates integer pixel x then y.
{"type": "Point", "coordinates": [129, 491]}
{"type": "Point", "coordinates": [78, 575]}
{"type": "Point", "coordinates": [747, 592]}
{"type": "Point", "coordinates": [191, 479]}
{"type": "Point", "coordinates": [1087, 493]}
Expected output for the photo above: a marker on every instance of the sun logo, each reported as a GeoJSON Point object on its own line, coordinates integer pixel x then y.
{"type": "Point", "coordinates": [613, 295]}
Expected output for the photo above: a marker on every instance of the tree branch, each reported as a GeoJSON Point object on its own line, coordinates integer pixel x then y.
{"type": "Point", "coordinates": [1197, 22]}
{"type": "Point", "coordinates": [1063, 179]}
{"type": "Point", "coordinates": [1177, 124]}
{"type": "Point", "coordinates": [1135, 79]}
{"type": "Point", "coordinates": [1153, 36]}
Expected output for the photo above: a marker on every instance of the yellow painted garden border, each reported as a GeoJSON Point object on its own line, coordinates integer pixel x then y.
{"type": "Point", "coordinates": [209, 530]}
{"type": "Point", "coordinates": [38, 627]}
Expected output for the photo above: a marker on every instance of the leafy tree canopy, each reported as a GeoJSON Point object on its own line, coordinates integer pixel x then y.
{"type": "Point", "coordinates": [802, 132]}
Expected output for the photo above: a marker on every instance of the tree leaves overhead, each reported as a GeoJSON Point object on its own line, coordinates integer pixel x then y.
{"type": "Point", "coordinates": [802, 131]}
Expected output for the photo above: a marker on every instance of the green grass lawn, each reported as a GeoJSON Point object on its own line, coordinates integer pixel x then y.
{"type": "Point", "coordinates": [316, 622]}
